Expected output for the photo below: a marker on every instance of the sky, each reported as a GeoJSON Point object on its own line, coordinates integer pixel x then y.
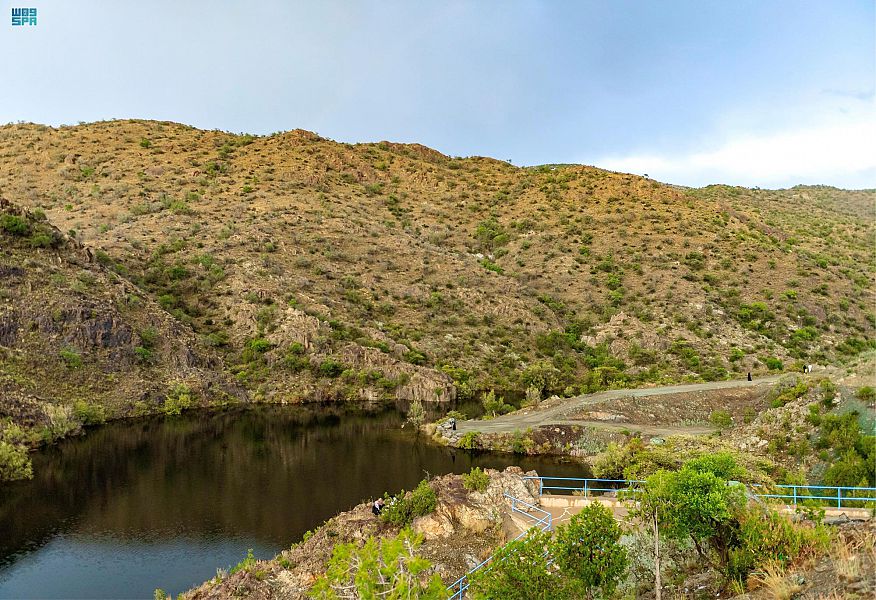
{"type": "Point", "coordinates": [755, 93]}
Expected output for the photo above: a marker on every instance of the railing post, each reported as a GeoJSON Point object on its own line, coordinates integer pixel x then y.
{"type": "Point", "coordinates": [540, 486]}
{"type": "Point", "coordinates": [585, 487]}
{"type": "Point", "coordinates": [795, 495]}
{"type": "Point", "coordinates": [839, 497]}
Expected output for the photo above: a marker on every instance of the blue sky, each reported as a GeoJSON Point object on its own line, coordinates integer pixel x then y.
{"type": "Point", "coordinates": [743, 92]}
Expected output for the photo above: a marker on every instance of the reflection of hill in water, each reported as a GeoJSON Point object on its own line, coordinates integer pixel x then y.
{"type": "Point", "coordinates": [268, 473]}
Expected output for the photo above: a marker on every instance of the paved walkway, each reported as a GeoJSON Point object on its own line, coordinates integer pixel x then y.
{"type": "Point", "coordinates": [557, 412]}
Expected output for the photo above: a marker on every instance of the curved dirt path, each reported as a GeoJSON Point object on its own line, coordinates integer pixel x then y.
{"type": "Point", "coordinates": [557, 412]}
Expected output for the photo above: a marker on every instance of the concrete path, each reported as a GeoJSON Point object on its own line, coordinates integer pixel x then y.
{"type": "Point", "coordinates": [557, 412]}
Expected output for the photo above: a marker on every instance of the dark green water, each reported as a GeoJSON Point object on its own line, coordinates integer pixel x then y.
{"type": "Point", "coordinates": [162, 503]}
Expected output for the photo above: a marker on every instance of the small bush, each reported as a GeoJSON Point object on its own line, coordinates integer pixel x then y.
{"type": "Point", "coordinates": [71, 358]}
{"type": "Point", "coordinates": [772, 363]}
{"type": "Point", "coordinates": [866, 394]}
{"type": "Point", "coordinates": [402, 509]}
{"type": "Point", "coordinates": [14, 225]}
{"type": "Point", "coordinates": [14, 462]}
{"type": "Point", "coordinates": [330, 368]}
{"type": "Point", "coordinates": [89, 414]}
{"type": "Point", "coordinates": [721, 419]}
{"type": "Point", "coordinates": [470, 441]}
{"type": "Point", "coordinates": [476, 480]}
{"type": "Point", "coordinates": [246, 563]}
{"type": "Point", "coordinates": [178, 399]}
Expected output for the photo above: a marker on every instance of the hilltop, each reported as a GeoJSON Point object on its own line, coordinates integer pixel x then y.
{"type": "Point", "coordinates": [317, 270]}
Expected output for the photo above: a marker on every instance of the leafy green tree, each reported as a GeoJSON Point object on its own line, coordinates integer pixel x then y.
{"type": "Point", "coordinates": [416, 414]}
{"type": "Point", "coordinates": [381, 568]}
{"type": "Point", "coordinates": [519, 571]}
{"type": "Point", "coordinates": [588, 551]}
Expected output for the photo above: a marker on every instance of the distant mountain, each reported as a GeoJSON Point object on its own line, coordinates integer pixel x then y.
{"type": "Point", "coordinates": [313, 270]}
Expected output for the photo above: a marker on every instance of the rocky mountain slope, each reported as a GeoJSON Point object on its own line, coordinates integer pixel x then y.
{"type": "Point", "coordinates": [80, 344]}
{"type": "Point", "coordinates": [316, 269]}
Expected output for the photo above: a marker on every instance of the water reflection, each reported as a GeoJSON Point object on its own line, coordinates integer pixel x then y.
{"type": "Point", "coordinates": [137, 505]}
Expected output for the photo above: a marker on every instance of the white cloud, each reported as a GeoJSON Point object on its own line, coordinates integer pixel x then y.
{"type": "Point", "coordinates": [840, 152]}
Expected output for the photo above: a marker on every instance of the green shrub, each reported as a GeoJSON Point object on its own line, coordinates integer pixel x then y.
{"type": "Point", "coordinates": [89, 414]}
{"type": "Point", "coordinates": [15, 225]}
{"type": "Point", "coordinates": [470, 440]}
{"type": "Point", "coordinates": [178, 399]}
{"type": "Point", "coordinates": [143, 355]}
{"type": "Point", "coordinates": [145, 143]}
{"type": "Point", "coordinates": [520, 571]}
{"type": "Point", "coordinates": [403, 508]}
{"type": "Point", "coordinates": [380, 568]}
{"type": "Point", "coordinates": [14, 462]}
{"type": "Point", "coordinates": [71, 358]}
{"type": "Point", "coordinates": [476, 480]}
{"type": "Point", "coordinates": [772, 363]}
{"type": "Point", "coordinates": [330, 368]}
{"type": "Point", "coordinates": [245, 564]}
{"type": "Point", "coordinates": [866, 394]}
{"type": "Point", "coordinates": [721, 419]}
{"type": "Point", "coordinates": [764, 536]}
{"type": "Point", "coordinates": [494, 406]}
{"type": "Point", "coordinates": [588, 551]}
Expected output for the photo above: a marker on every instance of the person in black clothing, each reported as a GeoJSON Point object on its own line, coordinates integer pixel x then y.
{"type": "Point", "coordinates": [749, 376]}
{"type": "Point", "coordinates": [377, 506]}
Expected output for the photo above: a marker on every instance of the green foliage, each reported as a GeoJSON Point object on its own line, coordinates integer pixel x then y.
{"type": "Point", "coordinates": [541, 375]}
{"type": "Point", "coordinates": [416, 414]}
{"type": "Point", "coordinates": [381, 568]}
{"type": "Point", "coordinates": [475, 480]}
{"type": "Point", "coordinates": [14, 225]}
{"type": "Point", "coordinates": [255, 348]}
{"type": "Point", "coordinates": [470, 440]}
{"type": "Point", "coordinates": [159, 594]}
{"type": "Point", "coordinates": [588, 550]}
{"type": "Point", "coordinates": [519, 571]}
{"type": "Point", "coordinates": [403, 508]}
{"type": "Point", "coordinates": [772, 363]}
{"type": "Point", "coordinates": [763, 536]}
{"type": "Point", "coordinates": [245, 564]}
{"type": "Point", "coordinates": [145, 143]}
{"type": "Point", "coordinates": [721, 419]}
{"type": "Point", "coordinates": [491, 266]}
{"type": "Point", "coordinates": [89, 414]}
{"type": "Point", "coordinates": [788, 390]}
{"type": "Point", "coordinates": [494, 406]}
{"type": "Point", "coordinates": [14, 462]}
{"type": "Point", "coordinates": [71, 358]}
{"type": "Point", "coordinates": [866, 394]}
{"type": "Point", "coordinates": [330, 368]}
{"type": "Point", "coordinates": [178, 399]}
{"type": "Point", "coordinates": [490, 234]}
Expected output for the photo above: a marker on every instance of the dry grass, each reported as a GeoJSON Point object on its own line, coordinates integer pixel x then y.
{"type": "Point", "coordinates": [778, 584]}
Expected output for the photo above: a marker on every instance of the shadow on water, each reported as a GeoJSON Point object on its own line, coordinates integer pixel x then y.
{"type": "Point", "coordinates": [162, 503]}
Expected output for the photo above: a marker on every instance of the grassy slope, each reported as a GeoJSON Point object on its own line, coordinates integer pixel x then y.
{"type": "Point", "coordinates": [462, 263]}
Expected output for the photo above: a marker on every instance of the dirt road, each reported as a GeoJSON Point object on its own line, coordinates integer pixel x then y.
{"type": "Point", "coordinates": [559, 411]}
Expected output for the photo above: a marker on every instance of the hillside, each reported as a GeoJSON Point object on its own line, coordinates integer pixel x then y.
{"type": "Point", "coordinates": [79, 344]}
{"type": "Point", "coordinates": [316, 269]}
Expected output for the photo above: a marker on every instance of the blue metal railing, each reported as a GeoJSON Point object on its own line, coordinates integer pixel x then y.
{"type": "Point", "coordinates": [596, 487]}
{"type": "Point", "coordinates": [544, 523]}
{"type": "Point", "coordinates": [835, 495]}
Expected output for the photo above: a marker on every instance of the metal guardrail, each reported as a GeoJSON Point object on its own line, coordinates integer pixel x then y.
{"type": "Point", "coordinates": [544, 523]}
{"type": "Point", "coordinates": [796, 494]}
{"type": "Point", "coordinates": [594, 486]}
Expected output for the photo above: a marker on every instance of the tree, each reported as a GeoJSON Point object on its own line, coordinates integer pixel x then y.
{"type": "Point", "coordinates": [416, 414]}
{"type": "Point", "coordinates": [381, 568]}
{"type": "Point", "coordinates": [694, 503]}
{"type": "Point", "coordinates": [588, 550]}
{"type": "Point", "coordinates": [519, 571]}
